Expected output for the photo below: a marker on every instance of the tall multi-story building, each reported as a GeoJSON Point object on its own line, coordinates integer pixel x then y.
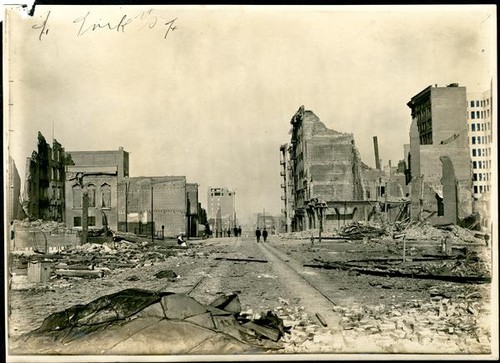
{"type": "Point", "coordinates": [221, 210]}
{"type": "Point", "coordinates": [287, 186]}
{"type": "Point", "coordinates": [325, 170]}
{"type": "Point", "coordinates": [45, 181]}
{"type": "Point", "coordinates": [480, 133]}
{"type": "Point", "coordinates": [439, 161]}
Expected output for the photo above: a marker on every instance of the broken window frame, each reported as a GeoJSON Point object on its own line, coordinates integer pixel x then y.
{"type": "Point", "coordinates": [77, 196]}
{"type": "Point", "coordinates": [105, 196]}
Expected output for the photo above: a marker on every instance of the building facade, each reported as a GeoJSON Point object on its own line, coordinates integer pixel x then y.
{"type": "Point", "coordinates": [45, 181]}
{"type": "Point", "coordinates": [439, 160]}
{"type": "Point", "coordinates": [156, 205]}
{"type": "Point", "coordinates": [221, 210]}
{"type": "Point", "coordinates": [104, 158]}
{"type": "Point", "coordinates": [287, 187]}
{"type": "Point", "coordinates": [100, 183]}
{"type": "Point", "coordinates": [325, 169]}
{"type": "Point", "coordinates": [480, 133]}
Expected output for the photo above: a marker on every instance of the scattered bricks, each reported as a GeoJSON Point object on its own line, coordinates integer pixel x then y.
{"type": "Point", "coordinates": [283, 301]}
{"type": "Point", "coordinates": [471, 310]}
{"type": "Point", "coordinates": [387, 326]}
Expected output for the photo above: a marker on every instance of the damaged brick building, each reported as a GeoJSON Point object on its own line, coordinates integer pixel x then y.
{"type": "Point", "coordinates": [141, 205]}
{"type": "Point", "coordinates": [45, 181]}
{"type": "Point", "coordinates": [439, 160]}
{"type": "Point", "coordinates": [325, 183]}
{"type": "Point", "coordinates": [166, 205]}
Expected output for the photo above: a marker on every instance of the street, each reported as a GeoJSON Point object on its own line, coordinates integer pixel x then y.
{"type": "Point", "coordinates": [362, 313]}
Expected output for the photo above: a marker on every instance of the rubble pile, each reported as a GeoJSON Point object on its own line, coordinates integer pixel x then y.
{"type": "Point", "coordinates": [303, 330]}
{"type": "Point", "coordinates": [445, 318]}
{"type": "Point", "coordinates": [43, 226]}
{"type": "Point", "coordinates": [359, 230]}
{"type": "Point", "coordinates": [135, 321]}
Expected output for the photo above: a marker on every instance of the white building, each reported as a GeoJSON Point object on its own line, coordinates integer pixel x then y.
{"type": "Point", "coordinates": [480, 134]}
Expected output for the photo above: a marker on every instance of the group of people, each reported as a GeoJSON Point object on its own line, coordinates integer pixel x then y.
{"type": "Point", "coordinates": [258, 233]}
{"type": "Point", "coordinates": [236, 232]}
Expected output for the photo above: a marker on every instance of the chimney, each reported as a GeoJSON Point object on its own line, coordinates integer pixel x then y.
{"type": "Point", "coordinates": [375, 146]}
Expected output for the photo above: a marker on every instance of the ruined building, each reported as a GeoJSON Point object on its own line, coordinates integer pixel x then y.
{"type": "Point", "coordinates": [14, 210]}
{"type": "Point", "coordinates": [163, 206]}
{"type": "Point", "coordinates": [439, 162]}
{"type": "Point", "coordinates": [287, 186]}
{"type": "Point", "coordinates": [100, 172]}
{"type": "Point", "coordinates": [325, 170]}
{"type": "Point", "coordinates": [166, 205]}
{"type": "Point", "coordinates": [45, 181]}
{"type": "Point", "coordinates": [326, 185]}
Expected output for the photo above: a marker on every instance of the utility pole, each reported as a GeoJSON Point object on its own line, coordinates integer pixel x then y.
{"type": "Point", "coordinates": [126, 206]}
{"type": "Point", "coordinates": [152, 219]}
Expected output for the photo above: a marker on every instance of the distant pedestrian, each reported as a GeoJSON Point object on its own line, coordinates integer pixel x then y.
{"type": "Point", "coordinates": [487, 239]}
{"type": "Point", "coordinates": [257, 234]}
{"type": "Point", "coordinates": [229, 232]}
{"type": "Point", "coordinates": [264, 234]}
{"type": "Point", "coordinates": [235, 231]}
{"type": "Point", "coordinates": [239, 231]}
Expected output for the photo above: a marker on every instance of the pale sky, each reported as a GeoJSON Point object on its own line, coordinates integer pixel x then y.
{"type": "Point", "coordinates": [212, 99]}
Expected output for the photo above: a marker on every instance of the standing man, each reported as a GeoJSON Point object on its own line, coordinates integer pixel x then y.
{"type": "Point", "coordinates": [12, 236]}
{"type": "Point", "coordinates": [239, 231]}
{"type": "Point", "coordinates": [257, 234]}
{"type": "Point", "coordinates": [264, 234]}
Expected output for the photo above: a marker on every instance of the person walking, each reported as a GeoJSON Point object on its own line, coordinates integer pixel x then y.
{"type": "Point", "coordinates": [239, 231]}
{"type": "Point", "coordinates": [257, 234]}
{"type": "Point", "coordinates": [264, 234]}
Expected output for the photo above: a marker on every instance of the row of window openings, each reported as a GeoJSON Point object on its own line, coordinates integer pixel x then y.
{"type": "Point", "coordinates": [91, 192]}
{"type": "Point", "coordinates": [55, 174]}
{"type": "Point", "coordinates": [481, 152]}
{"type": "Point", "coordinates": [479, 114]}
{"type": "Point", "coordinates": [480, 139]}
{"type": "Point", "coordinates": [483, 126]}
{"type": "Point", "coordinates": [481, 189]}
{"type": "Point", "coordinates": [481, 176]}
{"type": "Point", "coordinates": [484, 164]}
{"type": "Point", "coordinates": [482, 103]}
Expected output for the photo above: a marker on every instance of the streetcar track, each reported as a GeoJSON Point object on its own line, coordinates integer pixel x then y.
{"type": "Point", "coordinates": [270, 249]}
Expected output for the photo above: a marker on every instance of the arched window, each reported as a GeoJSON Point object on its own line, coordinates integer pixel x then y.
{"type": "Point", "coordinates": [91, 193]}
{"type": "Point", "coordinates": [106, 195]}
{"type": "Point", "coordinates": [77, 196]}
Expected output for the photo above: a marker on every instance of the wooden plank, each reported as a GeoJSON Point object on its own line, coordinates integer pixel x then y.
{"type": "Point", "coordinates": [240, 259]}
{"type": "Point", "coordinates": [321, 319]}
{"type": "Point", "coordinates": [80, 273]}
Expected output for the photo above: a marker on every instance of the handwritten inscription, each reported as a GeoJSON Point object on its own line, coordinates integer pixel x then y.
{"type": "Point", "coordinates": [44, 30]}
{"type": "Point", "coordinates": [88, 24]}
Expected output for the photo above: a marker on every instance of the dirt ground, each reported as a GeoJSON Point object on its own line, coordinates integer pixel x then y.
{"type": "Point", "coordinates": [372, 314]}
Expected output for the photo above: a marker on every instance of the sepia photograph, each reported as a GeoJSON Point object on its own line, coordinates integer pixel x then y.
{"type": "Point", "coordinates": [250, 182]}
